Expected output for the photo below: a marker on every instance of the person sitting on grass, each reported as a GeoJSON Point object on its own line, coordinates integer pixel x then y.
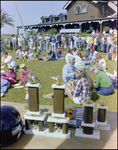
{"type": "Point", "coordinates": [37, 54]}
{"type": "Point", "coordinates": [18, 52]}
{"type": "Point", "coordinates": [74, 51]}
{"type": "Point", "coordinates": [93, 55]}
{"type": "Point", "coordinates": [58, 53]}
{"type": "Point", "coordinates": [81, 88]}
{"type": "Point", "coordinates": [67, 74]}
{"type": "Point", "coordinates": [110, 55]}
{"type": "Point", "coordinates": [50, 56]}
{"type": "Point", "coordinates": [101, 62]}
{"type": "Point", "coordinates": [67, 53]}
{"type": "Point", "coordinates": [8, 60]}
{"type": "Point", "coordinates": [24, 73]}
{"type": "Point", "coordinates": [103, 84]}
{"type": "Point", "coordinates": [7, 79]}
{"type": "Point", "coordinates": [23, 55]}
{"type": "Point", "coordinates": [87, 55]}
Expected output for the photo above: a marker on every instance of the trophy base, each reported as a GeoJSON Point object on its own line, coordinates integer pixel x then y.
{"type": "Point", "coordinates": [95, 135]}
{"type": "Point", "coordinates": [35, 131]}
{"type": "Point", "coordinates": [58, 134]}
{"type": "Point", "coordinates": [102, 125]}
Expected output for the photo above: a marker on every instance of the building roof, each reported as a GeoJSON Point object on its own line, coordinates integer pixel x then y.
{"type": "Point", "coordinates": [53, 16]}
{"type": "Point", "coordinates": [65, 14]}
{"type": "Point", "coordinates": [68, 3]}
{"type": "Point", "coordinates": [44, 17]}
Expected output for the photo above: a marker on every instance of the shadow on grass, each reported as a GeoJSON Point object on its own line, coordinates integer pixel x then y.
{"type": "Point", "coordinates": [95, 96]}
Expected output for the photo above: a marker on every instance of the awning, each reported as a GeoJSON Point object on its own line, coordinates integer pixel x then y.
{"type": "Point", "coordinates": [70, 31]}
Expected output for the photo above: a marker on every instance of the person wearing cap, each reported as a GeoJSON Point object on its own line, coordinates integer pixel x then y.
{"type": "Point", "coordinates": [23, 74]}
{"type": "Point", "coordinates": [50, 56]}
{"type": "Point", "coordinates": [68, 70]}
{"type": "Point", "coordinates": [7, 79]}
{"type": "Point", "coordinates": [40, 41]}
{"type": "Point", "coordinates": [101, 61]}
{"type": "Point", "coordinates": [83, 86]}
{"type": "Point", "coordinates": [67, 74]}
{"type": "Point", "coordinates": [103, 84]}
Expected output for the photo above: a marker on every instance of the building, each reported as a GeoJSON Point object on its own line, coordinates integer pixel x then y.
{"type": "Point", "coordinates": [85, 15]}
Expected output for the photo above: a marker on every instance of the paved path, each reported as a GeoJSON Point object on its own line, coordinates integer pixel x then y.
{"type": "Point", "coordinates": [108, 139]}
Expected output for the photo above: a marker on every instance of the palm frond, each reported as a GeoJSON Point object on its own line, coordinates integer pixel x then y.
{"type": "Point", "coordinates": [6, 19]}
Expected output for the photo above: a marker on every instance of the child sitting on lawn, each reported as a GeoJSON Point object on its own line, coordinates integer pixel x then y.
{"type": "Point", "coordinates": [58, 53]}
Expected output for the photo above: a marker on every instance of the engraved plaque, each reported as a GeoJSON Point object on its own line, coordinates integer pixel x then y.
{"type": "Point", "coordinates": [58, 101]}
{"type": "Point", "coordinates": [33, 100]}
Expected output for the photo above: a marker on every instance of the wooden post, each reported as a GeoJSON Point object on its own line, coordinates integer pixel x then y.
{"type": "Point", "coordinates": [100, 27]}
{"type": "Point", "coordinates": [17, 31]}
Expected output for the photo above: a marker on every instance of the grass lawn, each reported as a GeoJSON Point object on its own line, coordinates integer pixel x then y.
{"type": "Point", "coordinates": [44, 70]}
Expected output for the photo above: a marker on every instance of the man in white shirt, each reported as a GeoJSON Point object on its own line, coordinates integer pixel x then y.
{"type": "Point", "coordinates": [40, 41]}
{"type": "Point", "coordinates": [109, 42]}
{"type": "Point", "coordinates": [75, 39]}
{"type": "Point", "coordinates": [22, 41]}
{"type": "Point", "coordinates": [47, 38]}
{"type": "Point", "coordinates": [88, 41]}
{"type": "Point", "coordinates": [63, 42]}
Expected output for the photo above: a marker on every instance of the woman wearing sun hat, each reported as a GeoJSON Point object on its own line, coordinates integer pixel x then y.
{"type": "Point", "coordinates": [83, 86]}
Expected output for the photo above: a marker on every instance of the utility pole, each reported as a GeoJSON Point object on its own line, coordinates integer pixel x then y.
{"type": "Point", "coordinates": [20, 19]}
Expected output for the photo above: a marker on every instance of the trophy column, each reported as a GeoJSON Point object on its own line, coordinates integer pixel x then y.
{"type": "Point", "coordinates": [101, 121]}
{"type": "Point", "coordinates": [88, 125]}
{"type": "Point", "coordinates": [58, 115]}
{"type": "Point", "coordinates": [34, 120]}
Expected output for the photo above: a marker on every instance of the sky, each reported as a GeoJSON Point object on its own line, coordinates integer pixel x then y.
{"type": "Point", "coordinates": [30, 12]}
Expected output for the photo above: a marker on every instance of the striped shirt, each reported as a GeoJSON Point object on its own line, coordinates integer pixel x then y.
{"type": "Point", "coordinates": [81, 89]}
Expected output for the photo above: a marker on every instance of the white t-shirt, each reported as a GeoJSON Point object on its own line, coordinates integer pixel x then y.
{"type": "Point", "coordinates": [19, 41]}
{"type": "Point", "coordinates": [67, 55]}
{"type": "Point", "coordinates": [6, 60]}
{"type": "Point", "coordinates": [83, 38]}
{"type": "Point", "coordinates": [88, 39]}
{"type": "Point", "coordinates": [94, 55]}
{"type": "Point", "coordinates": [77, 60]}
{"type": "Point", "coordinates": [13, 39]}
{"type": "Point", "coordinates": [40, 38]}
{"type": "Point", "coordinates": [104, 63]}
{"type": "Point", "coordinates": [24, 53]}
{"type": "Point", "coordinates": [95, 41]}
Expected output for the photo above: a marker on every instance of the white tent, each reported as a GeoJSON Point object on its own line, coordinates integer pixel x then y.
{"type": "Point", "coordinates": [70, 31]}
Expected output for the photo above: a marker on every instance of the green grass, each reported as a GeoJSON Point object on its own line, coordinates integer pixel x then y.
{"type": "Point", "coordinates": [44, 70]}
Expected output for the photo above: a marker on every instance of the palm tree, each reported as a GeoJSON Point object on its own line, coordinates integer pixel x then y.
{"type": "Point", "coordinates": [6, 19]}
{"type": "Point", "coordinates": [32, 32]}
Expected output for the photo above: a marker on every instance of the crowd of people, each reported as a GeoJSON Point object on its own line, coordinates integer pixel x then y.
{"type": "Point", "coordinates": [74, 73]}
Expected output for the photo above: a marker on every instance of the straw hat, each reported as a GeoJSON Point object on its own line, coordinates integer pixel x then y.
{"type": "Point", "coordinates": [22, 65]}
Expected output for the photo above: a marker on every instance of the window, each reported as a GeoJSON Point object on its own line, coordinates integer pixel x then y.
{"type": "Point", "coordinates": [51, 19]}
{"type": "Point", "coordinates": [80, 9]}
{"type": "Point", "coordinates": [83, 8]}
{"type": "Point", "coordinates": [77, 9]}
{"type": "Point", "coordinates": [62, 18]}
{"type": "Point", "coordinates": [43, 20]}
